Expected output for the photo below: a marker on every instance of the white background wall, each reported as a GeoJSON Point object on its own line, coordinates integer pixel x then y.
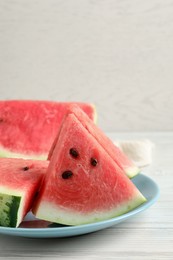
{"type": "Point", "coordinates": [115, 53]}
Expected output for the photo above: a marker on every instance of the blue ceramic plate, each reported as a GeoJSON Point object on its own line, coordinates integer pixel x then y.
{"type": "Point", "coordinates": [40, 229]}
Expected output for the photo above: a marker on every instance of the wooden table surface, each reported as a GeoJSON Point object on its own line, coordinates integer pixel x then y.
{"type": "Point", "coordinates": [148, 235]}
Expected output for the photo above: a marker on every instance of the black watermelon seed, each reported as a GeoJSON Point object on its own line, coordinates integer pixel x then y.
{"type": "Point", "coordinates": [74, 152]}
{"type": "Point", "coordinates": [67, 174]}
{"type": "Point", "coordinates": [93, 161]}
{"type": "Point", "coordinates": [26, 168]}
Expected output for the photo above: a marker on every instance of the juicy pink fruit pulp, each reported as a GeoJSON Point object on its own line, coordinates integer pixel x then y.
{"type": "Point", "coordinates": [90, 188]}
{"type": "Point", "coordinates": [19, 173]}
{"type": "Point", "coordinates": [31, 126]}
{"type": "Point", "coordinates": [23, 177]}
{"type": "Point", "coordinates": [117, 155]}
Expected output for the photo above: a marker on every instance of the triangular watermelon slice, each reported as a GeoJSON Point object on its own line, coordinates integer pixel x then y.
{"type": "Point", "coordinates": [83, 184]}
{"type": "Point", "coordinates": [28, 127]}
{"type": "Point", "coordinates": [19, 181]}
{"type": "Point", "coordinates": [115, 153]}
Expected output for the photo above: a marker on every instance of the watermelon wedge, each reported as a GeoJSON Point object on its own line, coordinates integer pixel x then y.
{"type": "Point", "coordinates": [83, 184]}
{"type": "Point", "coordinates": [28, 128]}
{"type": "Point", "coordinates": [19, 181]}
{"type": "Point", "coordinates": [115, 153]}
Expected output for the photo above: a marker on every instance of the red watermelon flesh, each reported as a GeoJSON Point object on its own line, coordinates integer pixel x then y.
{"type": "Point", "coordinates": [116, 154]}
{"type": "Point", "coordinates": [83, 184]}
{"type": "Point", "coordinates": [28, 128]}
{"type": "Point", "coordinates": [19, 181]}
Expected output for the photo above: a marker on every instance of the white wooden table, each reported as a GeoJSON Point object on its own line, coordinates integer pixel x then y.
{"type": "Point", "coordinates": [148, 235]}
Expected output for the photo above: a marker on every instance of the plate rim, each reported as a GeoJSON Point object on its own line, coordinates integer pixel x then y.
{"type": "Point", "coordinates": [24, 232]}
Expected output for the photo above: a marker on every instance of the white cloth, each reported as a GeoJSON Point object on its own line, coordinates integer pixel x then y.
{"type": "Point", "coordinates": [139, 151]}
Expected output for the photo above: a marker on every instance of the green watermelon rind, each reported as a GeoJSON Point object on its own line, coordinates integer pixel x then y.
{"type": "Point", "coordinates": [15, 209]}
{"type": "Point", "coordinates": [9, 209]}
{"type": "Point", "coordinates": [70, 214]}
{"type": "Point", "coordinates": [54, 213]}
{"type": "Point", "coordinates": [19, 180]}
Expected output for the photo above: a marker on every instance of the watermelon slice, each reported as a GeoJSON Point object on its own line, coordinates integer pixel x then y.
{"type": "Point", "coordinates": [83, 184]}
{"type": "Point", "coordinates": [19, 182]}
{"type": "Point", "coordinates": [28, 128]}
{"type": "Point", "coordinates": [115, 153]}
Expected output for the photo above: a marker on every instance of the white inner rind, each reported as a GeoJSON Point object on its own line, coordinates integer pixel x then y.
{"type": "Point", "coordinates": [132, 172]}
{"type": "Point", "coordinates": [9, 154]}
{"type": "Point", "coordinates": [58, 214]}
